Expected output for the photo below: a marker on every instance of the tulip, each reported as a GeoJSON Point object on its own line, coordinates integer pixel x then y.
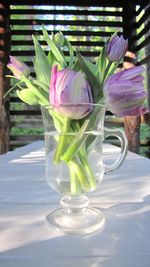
{"type": "Point", "coordinates": [116, 48]}
{"type": "Point", "coordinates": [124, 92]}
{"type": "Point", "coordinates": [70, 93]}
{"type": "Point", "coordinates": [18, 68]}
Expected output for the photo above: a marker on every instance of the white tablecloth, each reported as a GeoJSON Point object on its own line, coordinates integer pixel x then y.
{"type": "Point", "coordinates": [25, 199]}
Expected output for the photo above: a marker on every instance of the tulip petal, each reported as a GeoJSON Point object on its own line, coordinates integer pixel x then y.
{"type": "Point", "coordinates": [52, 85]}
{"type": "Point", "coordinates": [68, 90]}
{"type": "Point", "coordinates": [18, 68]}
{"type": "Point", "coordinates": [124, 92]}
{"type": "Point", "coordinates": [116, 48]}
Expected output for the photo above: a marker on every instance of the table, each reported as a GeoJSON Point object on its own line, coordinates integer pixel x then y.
{"type": "Point", "coordinates": [25, 199]}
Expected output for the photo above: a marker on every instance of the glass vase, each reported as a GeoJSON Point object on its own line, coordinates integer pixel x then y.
{"type": "Point", "coordinates": [79, 169]}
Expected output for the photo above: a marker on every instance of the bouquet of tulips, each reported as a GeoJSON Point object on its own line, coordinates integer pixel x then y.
{"type": "Point", "coordinates": [65, 82]}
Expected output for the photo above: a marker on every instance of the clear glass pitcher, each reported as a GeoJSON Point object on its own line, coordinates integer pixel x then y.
{"type": "Point", "coordinates": [79, 169]}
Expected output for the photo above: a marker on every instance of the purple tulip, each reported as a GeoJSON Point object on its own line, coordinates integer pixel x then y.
{"type": "Point", "coordinates": [70, 93]}
{"type": "Point", "coordinates": [18, 68]}
{"type": "Point", "coordinates": [116, 48]}
{"type": "Point", "coordinates": [124, 92]}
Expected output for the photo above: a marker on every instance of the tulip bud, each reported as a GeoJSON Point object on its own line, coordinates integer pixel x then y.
{"type": "Point", "coordinates": [70, 93]}
{"type": "Point", "coordinates": [59, 39]}
{"type": "Point", "coordinates": [124, 92]}
{"type": "Point", "coordinates": [18, 68]}
{"type": "Point", "coordinates": [116, 48]}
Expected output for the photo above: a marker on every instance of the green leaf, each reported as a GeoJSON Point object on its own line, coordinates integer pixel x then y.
{"type": "Point", "coordinates": [11, 89]}
{"type": "Point", "coordinates": [27, 96]}
{"type": "Point", "coordinates": [42, 95]}
{"type": "Point", "coordinates": [41, 63]}
{"type": "Point", "coordinates": [101, 64]}
{"type": "Point", "coordinates": [91, 66]}
{"type": "Point", "coordinates": [76, 66]}
{"type": "Point", "coordinates": [57, 53]}
{"type": "Point", "coordinates": [41, 85]}
{"type": "Point", "coordinates": [113, 68]}
{"type": "Point", "coordinates": [95, 85]}
{"type": "Point", "coordinates": [71, 52]}
{"type": "Point", "coordinates": [51, 58]}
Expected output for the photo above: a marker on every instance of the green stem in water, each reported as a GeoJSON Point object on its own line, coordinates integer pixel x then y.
{"type": "Point", "coordinates": [80, 173]}
{"type": "Point", "coordinates": [75, 187]}
{"type": "Point", "coordinates": [62, 141]}
{"type": "Point", "coordinates": [82, 155]}
{"type": "Point", "coordinates": [82, 136]}
{"type": "Point", "coordinates": [84, 161]}
{"type": "Point", "coordinates": [76, 143]}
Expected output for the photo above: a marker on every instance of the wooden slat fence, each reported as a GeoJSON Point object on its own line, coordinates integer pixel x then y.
{"type": "Point", "coordinates": [143, 52]}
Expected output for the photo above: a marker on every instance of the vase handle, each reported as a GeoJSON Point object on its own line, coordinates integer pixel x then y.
{"type": "Point", "coordinates": [120, 134]}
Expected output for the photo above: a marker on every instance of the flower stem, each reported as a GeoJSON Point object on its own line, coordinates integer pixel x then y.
{"type": "Point", "coordinates": [75, 187]}
{"type": "Point", "coordinates": [82, 136]}
{"type": "Point", "coordinates": [82, 155]}
{"type": "Point", "coordinates": [80, 173]}
{"type": "Point", "coordinates": [73, 148]}
{"type": "Point", "coordinates": [13, 87]}
{"type": "Point", "coordinates": [106, 72]}
{"type": "Point", "coordinates": [86, 165]}
{"type": "Point", "coordinates": [62, 141]}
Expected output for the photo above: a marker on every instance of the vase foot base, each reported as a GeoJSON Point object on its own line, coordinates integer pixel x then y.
{"type": "Point", "coordinates": [82, 222]}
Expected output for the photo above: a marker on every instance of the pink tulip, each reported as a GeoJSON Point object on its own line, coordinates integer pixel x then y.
{"type": "Point", "coordinates": [124, 92]}
{"type": "Point", "coordinates": [70, 93]}
{"type": "Point", "coordinates": [18, 68]}
{"type": "Point", "coordinates": [116, 48]}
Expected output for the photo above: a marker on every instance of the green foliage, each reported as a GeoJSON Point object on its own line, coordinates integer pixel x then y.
{"type": "Point", "coordinates": [144, 131]}
{"type": "Point", "coordinates": [27, 96]}
{"type": "Point", "coordinates": [26, 131]}
{"type": "Point", "coordinates": [95, 84]}
{"type": "Point", "coordinates": [55, 50]}
{"type": "Point", "coordinates": [41, 64]}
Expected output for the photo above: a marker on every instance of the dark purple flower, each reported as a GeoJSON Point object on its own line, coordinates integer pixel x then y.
{"type": "Point", "coordinates": [70, 93]}
{"type": "Point", "coordinates": [116, 48]}
{"type": "Point", "coordinates": [124, 92]}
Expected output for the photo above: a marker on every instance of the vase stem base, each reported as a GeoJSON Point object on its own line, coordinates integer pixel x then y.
{"type": "Point", "coordinates": [84, 221]}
